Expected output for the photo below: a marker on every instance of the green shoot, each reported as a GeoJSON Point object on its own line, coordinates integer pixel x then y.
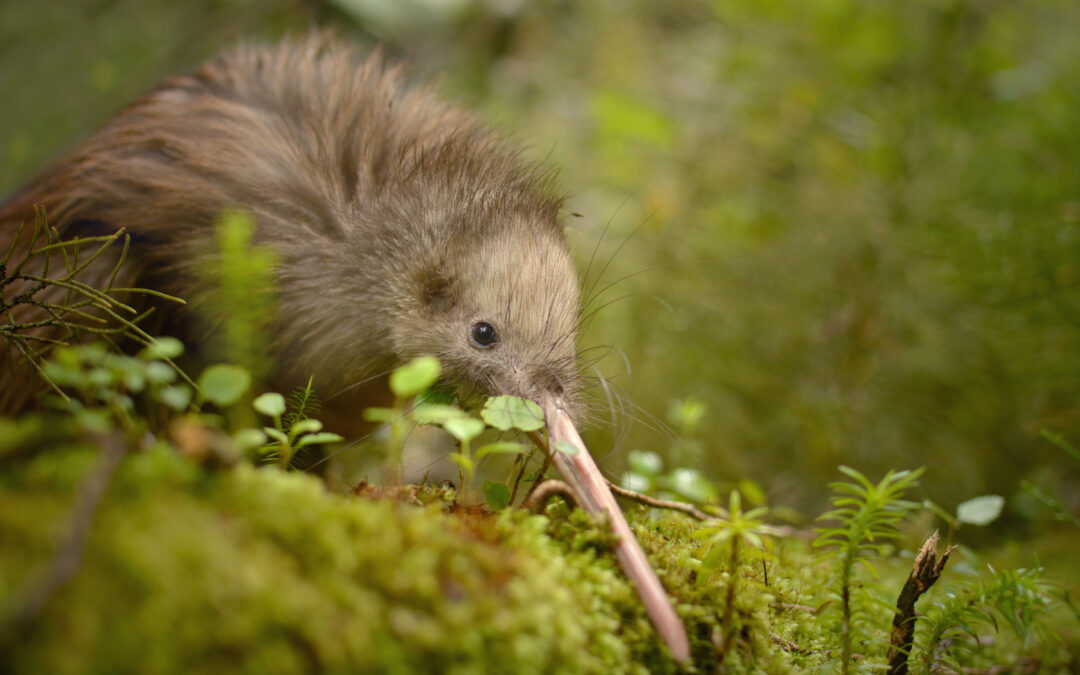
{"type": "Point", "coordinates": [406, 383]}
{"type": "Point", "coordinates": [738, 529]}
{"type": "Point", "coordinates": [867, 515]}
{"type": "Point", "coordinates": [288, 439]}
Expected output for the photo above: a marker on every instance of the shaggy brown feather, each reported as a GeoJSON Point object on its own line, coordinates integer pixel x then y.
{"type": "Point", "coordinates": [399, 220]}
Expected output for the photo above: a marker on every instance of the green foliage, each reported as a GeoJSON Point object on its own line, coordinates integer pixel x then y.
{"type": "Point", "coordinates": [223, 384]}
{"type": "Point", "coordinates": [646, 475]}
{"type": "Point", "coordinates": [288, 439]}
{"type": "Point", "coordinates": [729, 534]}
{"type": "Point", "coordinates": [240, 275]}
{"type": "Point", "coordinates": [101, 389]}
{"type": "Point", "coordinates": [414, 377]}
{"type": "Point", "coordinates": [866, 515]}
{"type": "Point", "coordinates": [44, 306]}
{"type": "Point", "coordinates": [343, 578]}
{"type": "Point", "coordinates": [303, 403]}
{"type": "Point", "coordinates": [512, 412]}
{"type": "Point", "coordinates": [949, 631]}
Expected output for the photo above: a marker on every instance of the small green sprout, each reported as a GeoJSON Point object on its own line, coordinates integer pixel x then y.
{"type": "Point", "coordinates": [287, 441]}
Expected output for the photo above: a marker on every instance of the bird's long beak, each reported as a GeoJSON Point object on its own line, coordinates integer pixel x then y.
{"type": "Point", "coordinates": [581, 473]}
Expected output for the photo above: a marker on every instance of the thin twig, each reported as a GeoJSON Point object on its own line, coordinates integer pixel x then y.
{"type": "Point", "coordinates": [688, 509]}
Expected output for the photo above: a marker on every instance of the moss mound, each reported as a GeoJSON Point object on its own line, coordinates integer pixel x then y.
{"type": "Point", "coordinates": [259, 570]}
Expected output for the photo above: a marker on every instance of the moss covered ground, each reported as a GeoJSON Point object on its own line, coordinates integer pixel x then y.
{"type": "Point", "coordinates": [190, 568]}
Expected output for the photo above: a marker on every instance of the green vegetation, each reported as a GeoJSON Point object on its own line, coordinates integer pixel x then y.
{"type": "Point", "coordinates": [263, 567]}
{"type": "Point", "coordinates": [818, 234]}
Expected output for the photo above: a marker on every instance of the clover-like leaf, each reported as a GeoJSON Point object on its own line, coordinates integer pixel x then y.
{"type": "Point", "coordinates": [464, 428]}
{"type": "Point", "coordinates": [513, 412]}
{"type": "Point", "coordinates": [307, 426]}
{"type": "Point", "coordinates": [224, 384]}
{"type": "Point", "coordinates": [323, 437]}
{"type": "Point", "coordinates": [980, 510]}
{"type": "Point", "coordinates": [177, 396]}
{"type": "Point", "coordinates": [249, 439]}
{"type": "Point", "coordinates": [270, 404]}
{"type": "Point", "coordinates": [415, 376]}
{"type": "Point", "coordinates": [162, 348]}
{"type": "Point", "coordinates": [436, 413]}
{"type": "Point", "coordinates": [496, 494]}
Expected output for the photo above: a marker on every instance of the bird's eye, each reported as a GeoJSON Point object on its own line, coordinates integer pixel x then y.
{"type": "Point", "coordinates": [483, 335]}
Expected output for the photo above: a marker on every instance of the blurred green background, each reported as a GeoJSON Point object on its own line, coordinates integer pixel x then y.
{"type": "Point", "coordinates": [831, 232]}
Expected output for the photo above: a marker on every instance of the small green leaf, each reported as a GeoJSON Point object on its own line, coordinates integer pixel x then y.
{"type": "Point", "coordinates": [270, 404]}
{"type": "Point", "coordinates": [224, 384]}
{"type": "Point", "coordinates": [496, 494]}
{"type": "Point", "coordinates": [249, 439]}
{"type": "Point", "coordinates": [435, 413]}
{"type": "Point", "coordinates": [566, 447]}
{"type": "Point", "coordinates": [645, 463]}
{"type": "Point", "coordinates": [415, 376]}
{"type": "Point", "coordinates": [176, 397]}
{"type": "Point", "coordinates": [500, 447]}
{"type": "Point", "coordinates": [160, 373]}
{"type": "Point", "coordinates": [464, 428]}
{"type": "Point", "coordinates": [307, 426]}
{"type": "Point", "coordinates": [513, 412]}
{"type": "Point", "coordinates": [323, 437]}
{"type": "Point", "coordinates": [135, 381]}
{"type": "Point", "coordinates": [980, 510]}
{"type": "Point", "coordinates": [162, 348]}
{"type": "Point", "coordinates": [278, 436]}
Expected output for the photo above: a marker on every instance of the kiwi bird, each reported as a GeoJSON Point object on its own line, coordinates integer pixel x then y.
{"type": "Point", "coordinates": [402, 226]}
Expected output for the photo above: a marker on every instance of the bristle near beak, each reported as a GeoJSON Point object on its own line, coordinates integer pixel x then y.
{"type": "Point", "coordinates": [584, 477]}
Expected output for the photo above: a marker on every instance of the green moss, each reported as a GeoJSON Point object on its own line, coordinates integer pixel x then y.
{"type": "Point", "coordinates": [260, 570]}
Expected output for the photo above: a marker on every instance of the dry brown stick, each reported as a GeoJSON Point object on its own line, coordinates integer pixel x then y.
{"type": "Point", "coordinates": [694, 512]}
{"type": "Point", "coordinates": [924, 572]}
{"type": "Point", "coordinates": [688, 509]}
{"type": "Point", "coordinates": [65, 562]}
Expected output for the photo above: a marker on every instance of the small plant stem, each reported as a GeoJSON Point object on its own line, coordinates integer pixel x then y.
{"type": "Point", "coordinates": [465, 474]}
{"type": "Point", "coordinates": [729, 602]}
{"type": "Point", "coordinates": [541, 442]}
{"type": "Point", "coordinates": [845, 624]}
{"type": "Point", "coordinates": [524, 465]}
{"type": "Point", "coordinates": [397, 443]}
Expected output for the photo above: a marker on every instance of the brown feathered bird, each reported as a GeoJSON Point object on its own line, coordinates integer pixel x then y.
{"type": "Point", "coordinates": [402, 226]}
